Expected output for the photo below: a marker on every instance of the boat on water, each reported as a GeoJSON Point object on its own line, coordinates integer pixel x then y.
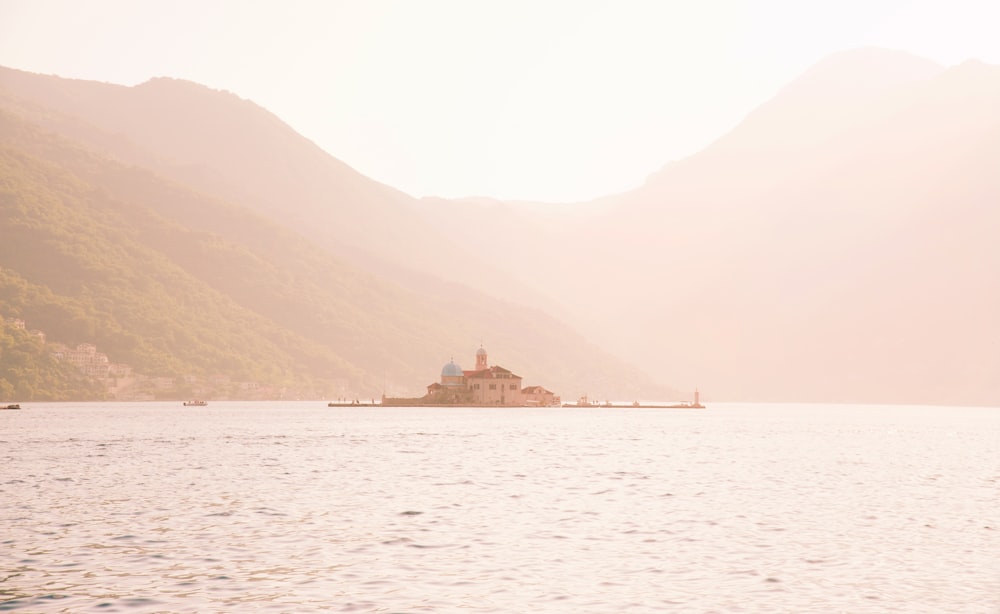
{"type": "Point", "coordinates": [11, 406]}
{"type": "Point", "coordinates": [584, 401]}
{"type": "Point", "coordinates": [195, 403]}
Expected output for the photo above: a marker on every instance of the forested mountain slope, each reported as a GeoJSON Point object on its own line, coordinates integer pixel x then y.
{"type": "Point", "coordinates": [220, 144]}
{"type": "Point", "coordinates": [173, 281]}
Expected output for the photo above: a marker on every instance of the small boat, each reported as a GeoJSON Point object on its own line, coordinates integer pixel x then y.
{"type": "Point", "coordinates": [11, 406]}
{"type": "Point", "coordinates": [195, 403]}
{"type": "Point", "coordinates": [581, 402]}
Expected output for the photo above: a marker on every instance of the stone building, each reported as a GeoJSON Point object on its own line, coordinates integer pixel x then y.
{"type": "Point", "coordinates": [489, 385]}
{"type": "Point", "coordinates": [540, 397]}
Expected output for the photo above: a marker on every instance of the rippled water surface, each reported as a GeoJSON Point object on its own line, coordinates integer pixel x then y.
{"type": "Point", "coordinates": [300, 508]}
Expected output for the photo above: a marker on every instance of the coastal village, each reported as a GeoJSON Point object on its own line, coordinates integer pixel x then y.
{"type": "Point", "coordinates": [121, 383]}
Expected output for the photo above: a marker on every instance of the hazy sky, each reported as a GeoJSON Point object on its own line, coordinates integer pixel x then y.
{"type": "Point", "coordinates": [546, 100]}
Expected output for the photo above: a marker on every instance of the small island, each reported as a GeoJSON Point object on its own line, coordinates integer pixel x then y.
{"type": "Point", "coordinates": [483, 386]}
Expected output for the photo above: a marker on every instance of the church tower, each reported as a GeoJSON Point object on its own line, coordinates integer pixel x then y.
{"type": "Point", "coordinates": [481, 359]}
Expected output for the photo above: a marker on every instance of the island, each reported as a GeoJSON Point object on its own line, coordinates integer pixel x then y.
{"type": "Point", "coordinates": [483, 386]}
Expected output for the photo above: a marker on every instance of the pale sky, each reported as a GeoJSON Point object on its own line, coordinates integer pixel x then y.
{"type": "Point", "coordinates": [540, 100]}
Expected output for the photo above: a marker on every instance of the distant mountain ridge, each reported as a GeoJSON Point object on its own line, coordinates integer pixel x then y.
{"type": "Point", "coordinates": [831, 247]}
{"type": "Point", "coordinates": [834, 286]}
{"type": "Point", "coordinates": [230, 147]}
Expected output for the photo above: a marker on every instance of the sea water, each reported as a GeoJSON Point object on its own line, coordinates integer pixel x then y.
{"type": "Point", "coordinates": [297, 507]}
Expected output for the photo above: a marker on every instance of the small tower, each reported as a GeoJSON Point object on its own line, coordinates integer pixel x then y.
{"type": "Point", "coordinates": [481, 359]}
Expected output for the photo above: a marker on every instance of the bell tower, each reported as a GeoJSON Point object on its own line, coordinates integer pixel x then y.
{"type": "Point", "coordinates": [481, 359]}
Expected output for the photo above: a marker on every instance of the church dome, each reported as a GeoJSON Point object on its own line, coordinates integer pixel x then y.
{"type": "Point", "coordinates": [451, 370]}
{"type": "Point", "coordinates": [480, 352]}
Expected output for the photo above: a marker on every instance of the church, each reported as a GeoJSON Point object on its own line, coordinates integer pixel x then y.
{"type": "Point", "coordinates": [484, 385]}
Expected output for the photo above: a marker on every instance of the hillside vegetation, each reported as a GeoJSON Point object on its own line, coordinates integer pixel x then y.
{"type": "Point", "coordinates": [29, 372]}
{"type": "Point", "coordinates": [175, 282]}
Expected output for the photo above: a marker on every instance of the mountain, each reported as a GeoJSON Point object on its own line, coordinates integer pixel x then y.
{"type": "Point", "coordinates": [177, 281]}
{"type": "Point", "coordinates": [834, 246]}
{"type": "Point", "coordinates": [223, 145]}
{"type": "Point", "coordinates": [837, 245]}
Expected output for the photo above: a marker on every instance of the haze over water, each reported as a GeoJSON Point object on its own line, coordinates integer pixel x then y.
{"type": "Point", "coordinates": [299, 508]}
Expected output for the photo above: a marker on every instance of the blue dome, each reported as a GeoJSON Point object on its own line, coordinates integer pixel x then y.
{"type": "Point", "coordinates": [451, 370]}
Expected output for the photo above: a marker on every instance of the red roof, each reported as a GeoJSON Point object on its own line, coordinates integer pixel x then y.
{"type": "Point", "coordinates": [489, 373]}
{"type": "Point", "coordinates": [535, 390]}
